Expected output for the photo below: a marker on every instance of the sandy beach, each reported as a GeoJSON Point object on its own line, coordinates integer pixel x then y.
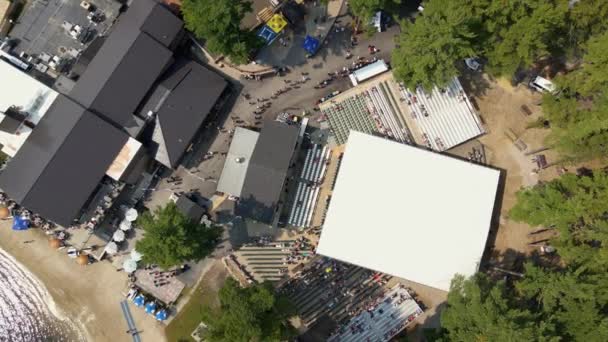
{"type": "Point", "coordinates": [89, 295]}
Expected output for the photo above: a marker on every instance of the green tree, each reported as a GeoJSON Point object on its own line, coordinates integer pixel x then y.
{"type": "Point", "coordinates": [479, 310]}
{"type": "Point", "coordinates": [170, 238]}
{"type": "Point", "coordinates": [576, 206]}
{"type": "Point", "coordinates": [528, 38]}
{"type": "Point", "coordinates": [585, 19]}
{"type": "Point", "coordinates": [249, 314]}
{"type": "Point", "coordinates": [429, 48]}
{"type": "Point", "coordinates": [591, 79]}
{"type": "Point", "coordinates": [579, 116]}
{"type": "Point", "coordinates": [218, 23]}
{"type": "Point", "coordinates": [511, 34]}
{"type": "Point", "coordinates": [365, 9]}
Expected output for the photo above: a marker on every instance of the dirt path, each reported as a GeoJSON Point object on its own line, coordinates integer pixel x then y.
{"type": "Point", "coordinates": [500, 110]}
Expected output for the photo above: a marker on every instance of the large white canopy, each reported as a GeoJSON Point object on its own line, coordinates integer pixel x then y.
{"type": "Point", "coordinates": [408, 212]}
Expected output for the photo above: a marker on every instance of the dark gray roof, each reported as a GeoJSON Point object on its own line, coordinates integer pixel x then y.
{"type": "Point", "coordinates": [134, 55]}
{"type": "Point", "coordinates": [267, 171]}
{"type": "Point", "coordinates": [62, 161]}
{"type": "Point", "coordinates": [189, 208]}
{"type": "Point", "coordinates": [182, 101]}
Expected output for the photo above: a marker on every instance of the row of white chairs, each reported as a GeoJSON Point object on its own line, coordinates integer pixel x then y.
{"type": "Point", "coordinates": [378, 104]}
{"type": "Point", "coordinates": [379, 328]}
{"type": "Point", "coordinates": [450, 115]}
{"type": "Point", "coordinates": [315, 166]}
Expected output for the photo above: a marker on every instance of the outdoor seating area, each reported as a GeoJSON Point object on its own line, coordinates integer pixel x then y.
{"type": "Point", "coordinates": [349, 114]}
{"type": "Point", "coordinates": [373, 110]}
{"type": "Point", "coordinates": [333, 288]}
{"type": "Point", "coordinates": [101, 204]}
{"type": "Point", "coordinates": [444, 116]}
{"type": "Point", "coordinates": [160, 284]}
{"type": "Point", "coordinates": [308, 185]}
{"type": "Point", "coordinates": [148, 303]}
{"type": "Point", "coordinates": [267, 260]}
{"type": "Point", "coordinates": [384, 318]}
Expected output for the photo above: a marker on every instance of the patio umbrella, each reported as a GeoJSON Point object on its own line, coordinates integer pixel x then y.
{"type": "Point", "coordinates": [129, 265]}
{"type": "Point", "coordinates": [135, 255]}
{"type": "Point", "coordinates": [4, 212]}
{"type": "Point", "coordinates": [131, 215]}
{"type": "Point", "coordinates": [118, 236]}
{"type": "Point", "coordinates": [161, 315]}
{"type": "Point", "coordinates": [111, 248]}
{"type": "Point", "coordinates": [139, 300]}
{"type": "Point", "coordinates": [55, 243]}
{"type": "Point", "coordinates": [82, 260]}
{"type": "Point", "coordinates": [150, 307]}
{"type": "Point", "coordinates": [125, 225]}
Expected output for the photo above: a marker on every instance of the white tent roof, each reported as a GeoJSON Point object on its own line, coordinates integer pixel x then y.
{"type": "Point", "coordinates": [368, 71]}
{"type": "Point", "coordinates": [421, 215]}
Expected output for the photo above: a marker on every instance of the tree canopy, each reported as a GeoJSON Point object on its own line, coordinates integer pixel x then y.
{"type": "Point", "coordinates": [249, 314]}
{"type": "Point", "coordinates": [479, 310]}
{"type": "Point", "coordinates": [365, 9]}
{"type": "Point", "coordinates": [579, 116]}
{"type": "Point", "coordinates": [563, 300]}
{"type": "Point", "coordinates": [429, 48]}
{"type": "Point", "coordinates": [576, 206]}
{"type": "Point", "coordinates": [218, 23]}
{"type": "Point", "coordinates": [170, 238]}
{"type": "Point", "coordinates": [510, 34]}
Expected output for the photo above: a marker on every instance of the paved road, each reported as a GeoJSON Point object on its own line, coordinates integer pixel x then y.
{"type": "Point", "coordinates": [201, 176]}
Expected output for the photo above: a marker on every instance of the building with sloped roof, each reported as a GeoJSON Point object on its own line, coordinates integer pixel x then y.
{"type": "Point", "coordinates": [133, 57]}
{"type": "Point", "coordinates": [131, 86]}
{"type": "Point", "coordinates": [63, 161]}
{"type": "Point", "coordinates": [267, 172]}
{"type": "Point", "coordinates": [180, 104]}
{"type": "Point", "coordinates": [237, 161]}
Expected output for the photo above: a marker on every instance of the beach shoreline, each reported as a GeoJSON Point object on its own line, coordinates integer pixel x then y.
{"type": "Point", "coordinates": [87, 296]}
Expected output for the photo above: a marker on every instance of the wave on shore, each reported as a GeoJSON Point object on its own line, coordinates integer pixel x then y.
{"type": "Point", "coordinates": [27, 310]}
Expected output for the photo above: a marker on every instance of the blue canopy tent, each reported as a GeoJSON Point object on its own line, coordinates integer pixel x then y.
{"type": "Point", "coordinates": [151, 307]}
{"type": "Point", "coordinates": [20, 223]}
{"type": "Point", "coordinates": [161, 315]}
{"type": "Point", "coordinates": [139, 300]}
{"type": "Point", "coordinates": [267, 34]}
{"type": "Point", "coordinates": [311, 45]}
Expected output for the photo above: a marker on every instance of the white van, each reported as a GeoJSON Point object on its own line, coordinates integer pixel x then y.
{"type": "Point", "coordinates": [543, 85]}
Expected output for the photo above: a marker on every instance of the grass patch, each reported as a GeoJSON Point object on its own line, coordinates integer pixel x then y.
{"type": "Point", "coordinates": [189, 317]}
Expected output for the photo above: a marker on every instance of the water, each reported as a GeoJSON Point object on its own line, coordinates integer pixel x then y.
{"type": "Point", "coordinates": [27, 309]}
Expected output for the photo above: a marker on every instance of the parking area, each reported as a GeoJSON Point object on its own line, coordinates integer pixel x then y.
{"type": "Point", "coordinates": [62, 27]}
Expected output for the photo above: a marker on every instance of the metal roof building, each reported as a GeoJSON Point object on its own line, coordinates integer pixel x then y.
{"type": "Point", "coordinates": [86, 134]}
{"type": "Point", "coordinates": [190, 209]}
{"type": "Point", "coordinates": [267, 172]}
{"type": "Point", "coordinates": [135, 54]}
{"type": "Point", "coordinates": [408, 212]}
{"type": "Point", "coordinates": [62, 161]}
{"type": "Point", "coordinates": [237, 161]}
{"type": "Point", "coordinates": [181, 102]}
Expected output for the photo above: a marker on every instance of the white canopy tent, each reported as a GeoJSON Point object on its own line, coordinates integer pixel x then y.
{"type": "Point", "coordinates": [422, 216]}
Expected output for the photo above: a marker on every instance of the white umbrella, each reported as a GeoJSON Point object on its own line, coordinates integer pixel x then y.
{"type": "Point", "coordinates": [111, 248]}
{"type": "Point", "coordinates": [118, 236]}
{"type": "Point", "coordinates": [131, 215]}
{"type": "Point", "coordinates": [125, 225]}
{"type": "Point", "coordinates": [135, 255]}
{"type": "Point", "coordinates": [129, 265]}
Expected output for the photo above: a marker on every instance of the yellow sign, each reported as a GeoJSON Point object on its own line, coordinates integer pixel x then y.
{"type": "Point", "coordinates": [277, 23]}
